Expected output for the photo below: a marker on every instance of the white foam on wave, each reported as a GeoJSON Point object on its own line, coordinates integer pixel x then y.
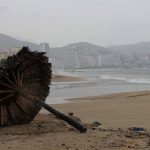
{"type": "Point", "coordinates": [129, 80]}
{"type": "Point", "coordinates": [140, 81]}
{"type": "Point", "coordinates": [107, 77]}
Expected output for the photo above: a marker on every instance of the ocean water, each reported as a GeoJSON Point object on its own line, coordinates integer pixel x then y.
{"type": "Point", "coordinates": [99, 82]}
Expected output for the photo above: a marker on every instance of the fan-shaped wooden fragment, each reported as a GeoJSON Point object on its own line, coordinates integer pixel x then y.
{"type": "Point", "coordinates": [27, 72]}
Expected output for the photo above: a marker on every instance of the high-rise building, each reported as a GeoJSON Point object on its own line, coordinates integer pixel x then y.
{"type": "Point", "coordinates": [44, 47]}
{"type": "Point", "coordinates": [71, 59]}
{"type": "Point", "coordinates": [56, 63]}
{"type": "Point", "coordinates": [99, 60]}
{"type": "Point", "coordinates": [87, 61]}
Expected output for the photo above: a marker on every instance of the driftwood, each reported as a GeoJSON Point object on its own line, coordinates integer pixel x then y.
{"type": "Point", "coordinates": [62, 116]}
{"type": "Point", "coordinates": [24, 85]}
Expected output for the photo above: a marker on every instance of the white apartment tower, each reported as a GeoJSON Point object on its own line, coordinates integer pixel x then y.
{"type": "Point", "coordinates": [71, 59]}
{"type": "Point", "coordinates": [44, 47]}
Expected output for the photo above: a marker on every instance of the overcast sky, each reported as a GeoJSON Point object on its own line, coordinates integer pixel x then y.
{"type": "Point", "coordinates": [59, 22]}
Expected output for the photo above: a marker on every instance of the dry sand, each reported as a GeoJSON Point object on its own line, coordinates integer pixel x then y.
{"type": "Point", "coordinates": [116, 112]}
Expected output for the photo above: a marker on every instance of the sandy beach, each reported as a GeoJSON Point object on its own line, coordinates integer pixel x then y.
{"type": "Point", "coordinates": [112, 110]}
{"type": "Point", "coordinates": [115, 112]}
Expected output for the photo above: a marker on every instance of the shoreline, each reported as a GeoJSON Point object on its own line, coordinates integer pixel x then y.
{"type": "Point", "coordinates": [65, 78]}
{"type": "Point", "coordinates": [68, 87]}
{"type": "Point", "coordinates": [110, 95]}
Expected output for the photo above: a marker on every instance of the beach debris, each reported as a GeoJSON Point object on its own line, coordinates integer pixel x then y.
{"type": "Point", "coordinates": [25, 80]}
{"type": "Point", "coordinates": [137, 133]}
{"type": "Point", "coordinates": [71, 114]}
{"type": "Point", "coordinates": [148, 142]}
{"type": "Point", "coordinates": [96, 124]}
{"type": "Point", "coordinates": [137, 129]}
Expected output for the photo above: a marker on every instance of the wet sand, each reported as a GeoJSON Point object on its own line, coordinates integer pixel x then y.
{"type": "Point", "coordinates": [64, 78]}
{"type": "Point", "coordinates": [116, 112]}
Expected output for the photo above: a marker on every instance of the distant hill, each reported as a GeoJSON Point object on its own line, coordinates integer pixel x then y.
{"type": "Point", "coordinates": [88, 48]}
{"type": "Point", "coordinates": [7, 42]}
{"type": "Point", "coordinates": [141, 47]}
{"type": "Point", "coordinates": [83, 48]}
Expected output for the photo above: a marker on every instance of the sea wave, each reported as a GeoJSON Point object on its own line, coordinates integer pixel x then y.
{"type": "Point", "coordinates": [129, 80]}
{"type": "Point", "coordinates": [65, 73]}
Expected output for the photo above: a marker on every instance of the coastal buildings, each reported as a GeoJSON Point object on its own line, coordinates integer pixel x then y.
{"type": "Point", "coordinates": [13, 51]}
{"type": "Point", "coordinates": [56, 63]}
{"type": "Point", "coordinates": [86, 61]}
{"type": "Point", "coordinates": [99, 60]}
{"type": "Point", "coordinates": [71, 59]}
{"type": "Point", "coordinates": [44, 47]}
{"type": "Point", "coordinates": [85, 56]}
{"type": "Point", "coordinates": [110, 60]}
{"type": "Point", "coordinates": [3, 55]}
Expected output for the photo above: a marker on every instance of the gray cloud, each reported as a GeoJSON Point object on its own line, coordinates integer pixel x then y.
{"type": "Point", "coordinates": [103, 22]}
{"type": "Point", "coordinates": [3, 8]}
